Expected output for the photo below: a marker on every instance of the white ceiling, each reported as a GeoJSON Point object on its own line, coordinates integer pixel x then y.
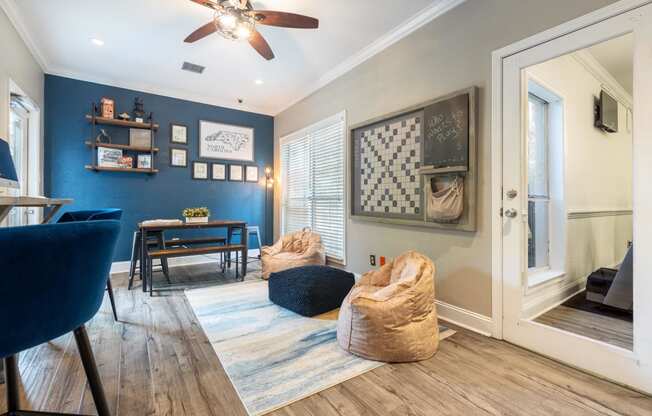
{"type": "Point", "coordinates": [144, 46]}
{"type": "Point", "coordinates": [617, 57]}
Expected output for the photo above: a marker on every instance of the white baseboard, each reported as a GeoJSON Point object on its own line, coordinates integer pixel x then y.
{"type": "Point", "coordinates": [464, 318]}
{"type": "Point", "coordinates": [550, 297]}
{"type": "Point", "coordinates": [123, 266]}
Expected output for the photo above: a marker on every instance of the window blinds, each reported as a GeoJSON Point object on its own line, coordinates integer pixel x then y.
{"type": "Point", "coordinates": [312, 179]}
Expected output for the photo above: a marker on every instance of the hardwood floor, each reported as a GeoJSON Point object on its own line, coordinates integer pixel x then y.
{"type": "Point", "coordinates": [157, 361]}
{"type": "Point", "coordinates": [603, 328]}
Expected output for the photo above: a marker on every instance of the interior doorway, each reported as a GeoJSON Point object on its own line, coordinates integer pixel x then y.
{"type": "Point", "coordinates": [572, 172]}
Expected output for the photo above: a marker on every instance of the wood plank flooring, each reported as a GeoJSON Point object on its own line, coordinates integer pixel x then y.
{"type": "Point", "coordinates": [603, 328]}
{"type": "Point", "coordinates": [157, 361]}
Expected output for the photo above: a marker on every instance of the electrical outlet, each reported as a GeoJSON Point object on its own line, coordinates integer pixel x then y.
{"type": "Point", "coordinates": [372, 259]}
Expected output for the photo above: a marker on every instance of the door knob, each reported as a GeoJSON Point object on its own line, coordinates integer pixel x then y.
{"type": "Point", "coordinates": [511, 213]}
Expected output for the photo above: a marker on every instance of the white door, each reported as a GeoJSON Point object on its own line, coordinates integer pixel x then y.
{"type": "Point", "coordinates": [18, 146]}
{"type": "Point", "coordinates": [633, 368]}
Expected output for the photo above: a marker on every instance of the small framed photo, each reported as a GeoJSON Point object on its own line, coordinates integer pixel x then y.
{"type": "Point", "coordinates": [178, 133]}
{"type": "Point", "coordinates": [144, 161]}
{"type": "Point", "coordinates": [236, 173]}
{"type": "Point", "coordinates": [178, 157]}
{"type": "Point", "coordinates": [218, 172]}
{"type": "Point", "coordinates": [251, 173]}
{"type": "Point", "coordinates": [200, 170]}
{"type": "Point", "coordinates": [140, 138]}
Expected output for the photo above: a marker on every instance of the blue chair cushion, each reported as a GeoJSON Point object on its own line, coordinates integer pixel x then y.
{"type": "Point", "coordinates": [53, 279]}
{"type": "Point", "coordinates": [310, 290]}
{"type": "Point", "coordinates": [91, 215]}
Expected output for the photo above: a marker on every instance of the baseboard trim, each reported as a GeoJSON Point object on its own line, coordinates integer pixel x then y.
{"type": "Point", "coordinates": [550, 297]}
{"type": "Point", "coordinates": [465, 318]}
{"type": "Point", "coordinates": [123, 266]}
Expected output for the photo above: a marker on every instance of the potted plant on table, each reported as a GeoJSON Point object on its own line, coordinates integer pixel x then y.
{"type": "Point", "coordinates": [196, 215]}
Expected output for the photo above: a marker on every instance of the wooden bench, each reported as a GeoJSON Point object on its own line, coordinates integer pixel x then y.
{"type": "Point", "coordinates": [198, 251]}
{"type": "Point", "coordinates": [194, 241]}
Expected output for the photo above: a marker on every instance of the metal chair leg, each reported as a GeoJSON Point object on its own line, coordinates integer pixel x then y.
{"type": "Point", "coordinates": [109, 288]}
{"type": "Point", "coordinates": [135, 254]}
{"type": "Point", "coordinates": [93, 376]}
{"type": "Point", "coordinates": [11, 382]}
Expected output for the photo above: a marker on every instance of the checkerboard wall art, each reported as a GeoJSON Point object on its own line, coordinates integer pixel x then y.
{"type": "Point", "coordinates": [388, 156]}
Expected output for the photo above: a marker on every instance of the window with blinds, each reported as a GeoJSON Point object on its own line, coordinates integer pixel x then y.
{"type": "Point", "coordinates": [312, 179]}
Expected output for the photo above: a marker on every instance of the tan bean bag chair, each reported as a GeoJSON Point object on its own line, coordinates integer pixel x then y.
{"type": "Point", "coordinates": [302, 248]}
{"type": "Point", "coordinates": [390, 314]}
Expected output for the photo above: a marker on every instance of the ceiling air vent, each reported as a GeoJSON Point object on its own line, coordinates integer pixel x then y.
{"type": "Point", "coordinates": [197, 69]}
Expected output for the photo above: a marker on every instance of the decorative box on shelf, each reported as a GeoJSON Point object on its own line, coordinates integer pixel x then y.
{"type": "Point", "coordinates": [196, 220]}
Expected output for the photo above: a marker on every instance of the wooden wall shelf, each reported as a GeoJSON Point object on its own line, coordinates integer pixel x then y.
{"type": "Point", "coordinates": [123, 147]}
{"type": "Point", "coordinates": [121, 123]}
{"type": "Point", "coordinates": [131, 170]}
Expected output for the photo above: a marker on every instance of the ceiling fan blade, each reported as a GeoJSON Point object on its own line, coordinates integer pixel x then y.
{"type": "Point", "coordinates": [258, 42]}
{"type": "Point", "coordinates": [282, 19]}
{"type": "Point", "coordinates": [243, 4]}
{"type": "Point", "coordinates": [207, 3]}
{"type": "Point", "coordinates": [202, 32]}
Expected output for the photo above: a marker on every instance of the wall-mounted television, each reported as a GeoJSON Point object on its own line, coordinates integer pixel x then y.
{"type": "Point", "coordinates": [606, 113]}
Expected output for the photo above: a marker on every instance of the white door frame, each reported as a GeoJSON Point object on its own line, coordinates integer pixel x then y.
{"type": "Point", "coordinates": [640, 356]}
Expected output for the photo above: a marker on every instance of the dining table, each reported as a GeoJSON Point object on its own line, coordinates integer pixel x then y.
{"type": "Point", "coordinates": [231, 226]}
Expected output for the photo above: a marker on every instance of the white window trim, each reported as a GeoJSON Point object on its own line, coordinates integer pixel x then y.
{"type": "Point", "coordinates": [558, 218]}
{"type": "Point", "coordinates": [341, 116]}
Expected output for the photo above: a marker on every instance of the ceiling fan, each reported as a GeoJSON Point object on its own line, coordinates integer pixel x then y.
{"type": "Point", "coordinates": [237, 20]}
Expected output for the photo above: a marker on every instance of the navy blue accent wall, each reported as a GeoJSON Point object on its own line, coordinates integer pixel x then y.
{"type": "Point", "coordinates": [142, 196]}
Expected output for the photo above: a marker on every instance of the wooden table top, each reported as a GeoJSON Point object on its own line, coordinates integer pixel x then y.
{"type": "Point", "coordinates": [33, 201]}
{"type": "Point", "coordinates": [194, 225]}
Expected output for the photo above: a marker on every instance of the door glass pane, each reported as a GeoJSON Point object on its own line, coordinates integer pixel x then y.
{"type": "Point", "coordinates": [538, 234]}
{"type": "Point", "coordinates": [537, 148]}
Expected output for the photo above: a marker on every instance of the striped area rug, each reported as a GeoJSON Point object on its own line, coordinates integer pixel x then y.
{"type": "Point", "coordinates": [273, 356]}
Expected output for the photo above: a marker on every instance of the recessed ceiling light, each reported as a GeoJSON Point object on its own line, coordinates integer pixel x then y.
{"type": "Point", "coordinates": [97, 42]}
{"type": "Point", "coordinates": [259, 82]}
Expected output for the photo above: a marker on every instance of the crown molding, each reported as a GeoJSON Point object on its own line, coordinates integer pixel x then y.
{"type": "Point", "coordinates": [162, 91]}
{"type": "Point", "coordinates": [401, 31]}
{"type": "Point", "coordinates": [603, 76]}
{"type": "Point", "coordinates": [11, 10]}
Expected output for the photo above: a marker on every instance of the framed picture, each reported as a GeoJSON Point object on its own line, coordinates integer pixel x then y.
{"type": "Point", "coordinates": [178, 133]}
{"type": "Point", "coordinates": [140, 138]}
{"type": "Point", "coordinates": [107, 108]}
{"type": "Point", "coordinates": [226, 142]}
{"type": "Point", "coordinates": [178, 157]}
{"type": "Point", "coordinates": [251, 173]}
{"type": "Point", "coordinates": [218, 172]}
{"type": "Point", "coordinates": [144, 161]}
{"type": "Point", "coordinates": [200, 170]}
{"type": "Point", "coordinates": [108, 157]}
{"type": "Point", "coordinates": [235, 173]}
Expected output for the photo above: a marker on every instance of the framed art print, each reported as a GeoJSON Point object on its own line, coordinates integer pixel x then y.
{"type": "Point", "coordinates": [225, 142]}
{"type": "Point", "coordinates": [200, 170]}
{"type": "Point", "coordinates": [144, 161]}
{"type": "Point", "coordinates": [251, 173]}
{"type": "Point", "coordinates": [218, 172]}
{"type": "Point", "coordinates": [235, 173]}
{"type": "Point", "coordinates": [178, 133]}
{"type": "Point", "coordinates": [178, 157]}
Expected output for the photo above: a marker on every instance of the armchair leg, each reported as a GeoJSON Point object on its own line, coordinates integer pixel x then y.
{"type": "Point", "coordinates": [11, 383]}
{"type": "Point", "coordinates": [86, 353]}
{"type": "Point", "coordinates": [109, 288]}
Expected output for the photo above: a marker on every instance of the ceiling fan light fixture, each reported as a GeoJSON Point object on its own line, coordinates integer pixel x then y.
{"type": "Point", "coordinates": [244, 31]}
{"type": "Point", "coordinates": [227, 21]}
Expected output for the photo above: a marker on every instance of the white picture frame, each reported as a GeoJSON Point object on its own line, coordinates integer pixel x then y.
{"type": "Point", "coordinates": [218, 172]}
{"type": "Point", "coordinates": [236, 173]}
{"type": "Point", "coordinates": [225, 141]}
{"type": "Point", "coordinates": [144, 161]}
{"type": "Point", "coordinates": [178, 157]}
{"type": "Point", "coordinates": [178, 133]}
{"type": "Point", "coordinates": [251, 173]}
{"type": "Point", "coordinates": [200, 170]}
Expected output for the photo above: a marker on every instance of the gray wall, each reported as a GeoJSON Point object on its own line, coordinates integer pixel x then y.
{"type": "Point", "coordinates": [17, 64]}
{"type": "Point", "coordinates": [451, 53]}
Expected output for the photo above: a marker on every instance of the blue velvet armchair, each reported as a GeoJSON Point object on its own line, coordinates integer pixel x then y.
{"type": "Point", "coordinates": [53, 280]}
{"type": "Point", "coordinates": [96, 215]}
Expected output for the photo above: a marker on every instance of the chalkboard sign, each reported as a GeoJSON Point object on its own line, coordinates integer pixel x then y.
{"type": "Point", "coordinates": [446, 133]}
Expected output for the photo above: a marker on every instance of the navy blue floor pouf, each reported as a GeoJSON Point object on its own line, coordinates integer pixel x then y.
{"type": "Point", "coordinates": [310, 290]}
